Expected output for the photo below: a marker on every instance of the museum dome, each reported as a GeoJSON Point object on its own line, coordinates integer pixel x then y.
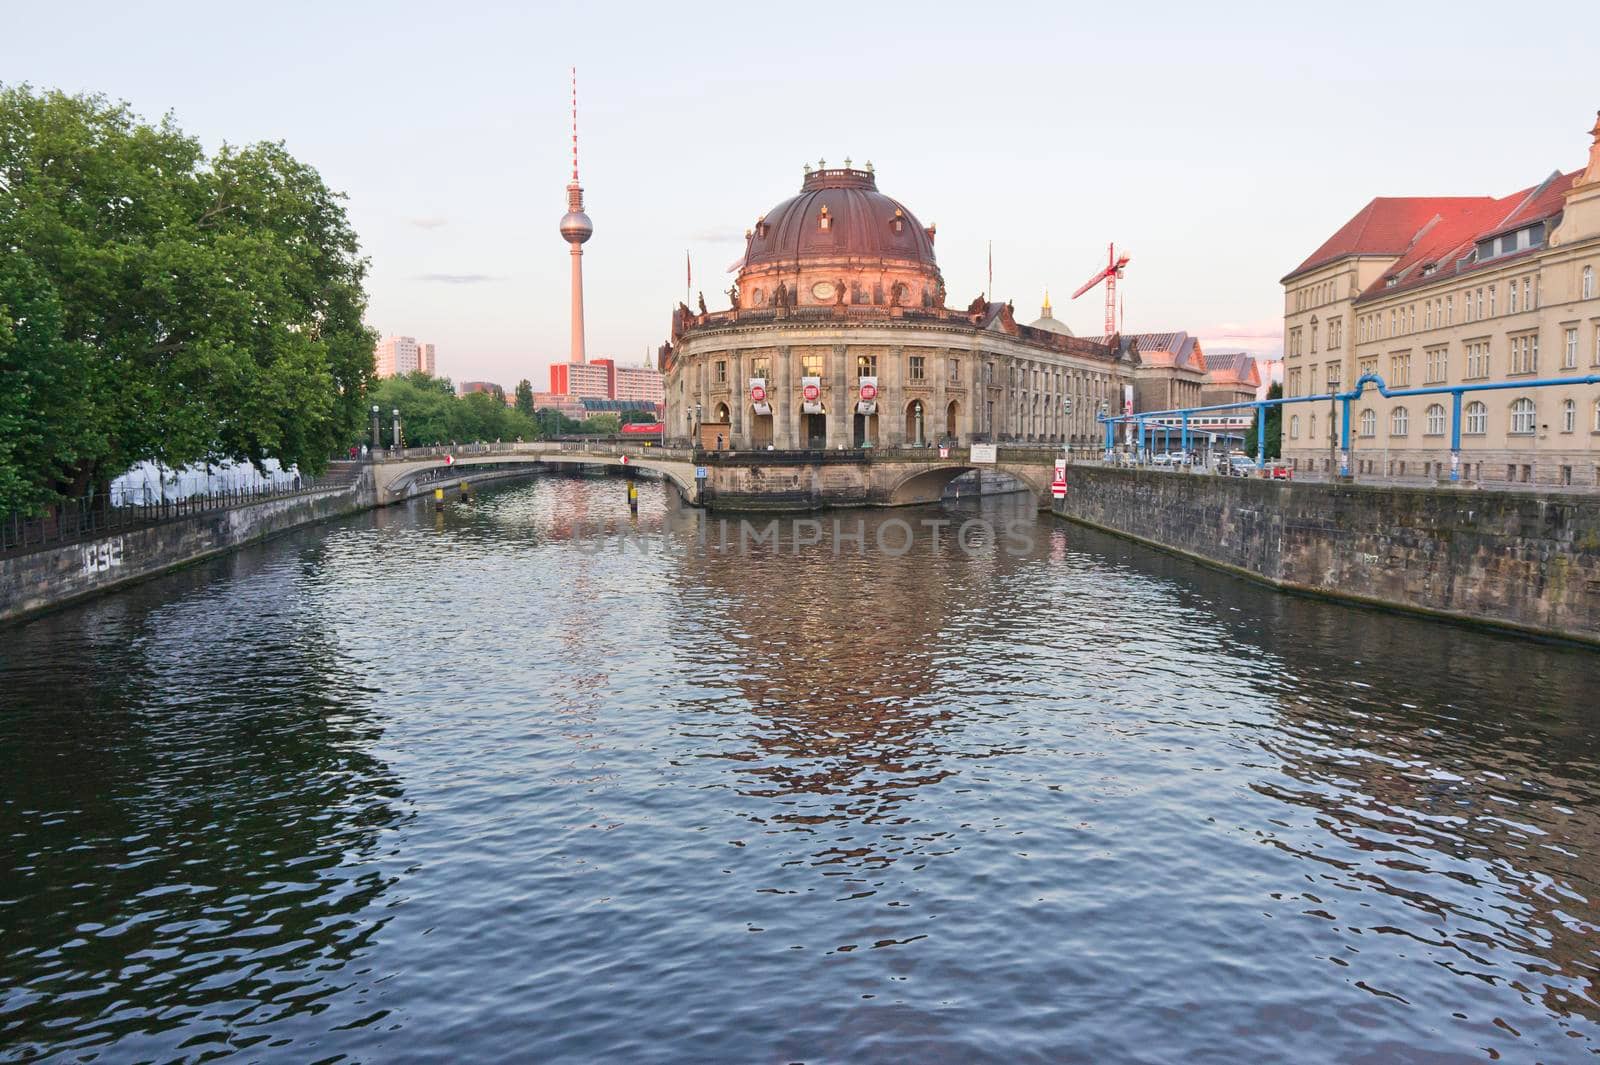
{"type": "Point", "coordinates": [839, 214]}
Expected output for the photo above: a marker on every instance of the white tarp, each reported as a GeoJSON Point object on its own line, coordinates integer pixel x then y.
{"type": "Point", "coordinates": [984, 453]}
{"type": "Point", "coordinates": [811, 387]}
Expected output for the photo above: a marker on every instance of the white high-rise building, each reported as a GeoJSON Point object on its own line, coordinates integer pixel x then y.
{"type": "Point", "coordinates": [397, 356]}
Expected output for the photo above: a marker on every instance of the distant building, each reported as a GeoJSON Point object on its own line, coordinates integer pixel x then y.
{"type": "Point", "coordinates": [1169, 370]}
{"type": "Point", "coordinates": [468, 387]}
{"type": "Point", "coordinates": [579, 379]}
{"type": "Point", "coordinates": [640, 383]}
{"type": "Point", "coordinates": [397, 356]}
{"type": "Point", "coordinates": [1231, 377]}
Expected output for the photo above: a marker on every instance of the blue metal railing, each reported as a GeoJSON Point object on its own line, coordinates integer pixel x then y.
{"type": "Point", "coordinates": [1260, 406]}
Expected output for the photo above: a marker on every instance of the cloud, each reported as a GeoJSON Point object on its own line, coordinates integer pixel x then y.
{"type": "Point", "coordinates": [457, 279]}
{"type": "Point", "coordinates": [430, 222]}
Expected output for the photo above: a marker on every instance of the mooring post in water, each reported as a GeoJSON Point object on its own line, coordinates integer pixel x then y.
{"type": "Point", "coordinates": [438, 499]}
{"type": "Point", "coordinates": [466, 492]}
{"type": "Point", "coordinates": [633, 497]}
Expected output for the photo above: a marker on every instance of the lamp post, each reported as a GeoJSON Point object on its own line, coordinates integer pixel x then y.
{"type": "Point", "coordinates": [375, 443]}
{"type": "Point", "coordinates": [695, 440]}
{"type": "Point", "coordinates": [917, 411]}
{"type": "Point", "coordinates": [394, 435]}
{"type": "Point", "coordinates": [1333, 419]}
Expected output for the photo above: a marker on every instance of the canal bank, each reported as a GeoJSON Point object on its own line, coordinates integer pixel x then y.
{"type": "Point", "coordinates": [63, 573]}
{"type": "Point", "coordinates": [1521, 561]}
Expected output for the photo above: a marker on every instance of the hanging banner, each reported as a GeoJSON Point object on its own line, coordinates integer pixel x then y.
{"type": "Point", "coordinates": [983, 453]}
{"type": "Point", "coordinates": [869, 395]}
{"type": "Point", "coordinates": [811, 395]}
{"type": "Point", "coordinates": [758, 395]}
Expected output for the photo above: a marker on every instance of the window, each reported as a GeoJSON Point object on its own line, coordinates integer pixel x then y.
{"type": "Point", "coordinates": [823, 221]}
{"type": "Point", "coordinates": [1400, 370]}
{"type": "Point", "coordinates": [1399, 422]}
{"type": "Point", "coordinates": [761, 366]}
{"type": "Point", "coordinates": [955, 371]}
{"type": "Point", "coordinates": [1436, 420]}
{"type": "Point", "coordinates": [1527, 294]}
{"type": "Point", "coordinates": [1597, 415]}
{"type": "Point", "coordinates": [1335, 334]}
{"type": "Point", "coordinates": [1294, 427]}
{"type": "Point", "coordinates": [1588, 282]}
{"type": "Point", "coordinates": [722, 372]}
{"type": "Point", "coordinates": [1477, 358]}
{"type": "Point", "coordinates": [1449, 310]}
{"type": "Point", "coordinates": [866, 366]}
{"type": "Point", "coordinates": [1491, 301]}
{"type": "Point", "coordinates": [916, 367]}
{"type": "Point", "coordinates": [1369, 423]}
{"type": "Point", "coordinates": [1333, 376]}
{"type": "Point", "coordinates": [1569, 357]}
{"type": "Point", "coordinates": [1522, 417]}
{"type": "Point", "coordinates": [1524, 354]}
{"type": "Point", "coordinates": [1438, 362]}
{"type": "Point", "coordinates": [1476, 420]}
{"type": "Point", "coordinates": [811, 365]}
{"type": "Point", "coordinates": [1569, 415]}
{"type": "Point", "coordinates": [1480, 303]}
{"type": "Point", "coordinates": [1511, 299]}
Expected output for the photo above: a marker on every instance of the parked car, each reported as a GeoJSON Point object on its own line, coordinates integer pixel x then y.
{"type": "Point", "coordinates": [1280, 471]}
{"type": "Point", "coordinates": [1172, 458]}
{"type": "Point", "coordinates": [1236, 466]}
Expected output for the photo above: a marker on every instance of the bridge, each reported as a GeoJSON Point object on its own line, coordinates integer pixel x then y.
{"type": "Point", "coordinates": [734, 480]}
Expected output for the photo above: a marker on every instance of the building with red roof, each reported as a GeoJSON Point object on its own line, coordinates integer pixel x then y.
{"type": "Point", "coordinates": [1436, 291]}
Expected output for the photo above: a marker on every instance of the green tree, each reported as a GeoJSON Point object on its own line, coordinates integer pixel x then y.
{"type": "Point", "coordinates": [525, 397]}
{"type": "Point", "coordinates": [193, 309]}
{"type": "Point", "coordinates": [601, 423]}
{"type": "Point", "coordinates": [1274, 433]}
{"type": "Point", "coordinates": [635, 417]}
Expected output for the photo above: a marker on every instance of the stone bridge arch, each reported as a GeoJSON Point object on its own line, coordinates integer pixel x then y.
{"type": "Point", "coordinates": [400, 479]}
{"type": "Point", "coordinates": [926, 484]}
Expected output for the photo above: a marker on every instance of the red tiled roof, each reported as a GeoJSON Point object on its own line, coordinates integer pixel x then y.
{"type": "Point", "coordinates": [1387, 226]}
{"type": "Point", "coordinates": [1447, 245]}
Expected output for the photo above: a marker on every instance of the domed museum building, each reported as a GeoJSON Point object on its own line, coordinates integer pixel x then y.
{"type": "Point", "coordinates": [838, 335]}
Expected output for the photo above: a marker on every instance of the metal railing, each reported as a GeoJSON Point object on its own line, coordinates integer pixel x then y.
{"type": "Point", "coordinates": [91, 517]}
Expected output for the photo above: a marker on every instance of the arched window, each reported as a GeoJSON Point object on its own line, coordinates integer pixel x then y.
{"type": "Point", "coordinates": [1569, 416]}
{"type": "Point", "coordinates": [1522, 416]}
{"type": "Point", "coordinates": [1588, 282]}
{"type": "Point", "coordinates": [1369, 422]}
{"type": "Point", "coordinates": [1294, 427]}
{"type": "Point", "coordinates": [1475, 419]}
{"type": "Point", "coordinates": [1436, 420]}
{"type": "Point", "coordinates": [1399, 422]}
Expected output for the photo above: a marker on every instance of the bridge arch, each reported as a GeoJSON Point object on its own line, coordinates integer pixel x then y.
{"type": "Point", "coordinates": [927, 485]}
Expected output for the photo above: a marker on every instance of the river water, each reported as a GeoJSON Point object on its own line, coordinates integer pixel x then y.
{"type": "Point", "coordinates": [482, 786]}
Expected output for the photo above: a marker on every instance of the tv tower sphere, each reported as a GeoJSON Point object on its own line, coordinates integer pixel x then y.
{"type": "Point", "coordinates": [576, 227]}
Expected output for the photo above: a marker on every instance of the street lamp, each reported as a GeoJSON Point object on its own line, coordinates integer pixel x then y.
{"type": "Point", "coordinates": [394, 436]}
{"type": "Point", "coordinates": [375, 429]}
{"type": "Point", "coordinates": [917, 411]}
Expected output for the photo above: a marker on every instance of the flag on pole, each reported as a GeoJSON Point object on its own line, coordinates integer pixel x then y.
{"type": "Point", "coordinates": [688, 275]}
{"type": "Point", "coordinates": [988, 293]}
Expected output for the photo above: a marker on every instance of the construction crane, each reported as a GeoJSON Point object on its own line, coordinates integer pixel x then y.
{"type": "Point", "coordinates": [1109, 275]}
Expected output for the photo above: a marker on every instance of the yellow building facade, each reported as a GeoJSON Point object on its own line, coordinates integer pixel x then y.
{"type": "Point", "coordinates": [1444, 291]}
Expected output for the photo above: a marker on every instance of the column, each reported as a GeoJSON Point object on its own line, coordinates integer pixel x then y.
{"type": "Point", "coordinates": [841, 406]}
{"type": "Point", "coordinates": [738, 400]}
{"type": "Point", "coordinates": [892, 400]}
{"type": "Point", "coordinates": [783, 393]}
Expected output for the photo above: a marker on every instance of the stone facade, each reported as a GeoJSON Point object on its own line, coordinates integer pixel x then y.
{"type": "Point", "coordinates": [1524, 561]}
{"type": "Point", "coordinates": [1427, 292]}
{"type": "Point", "coordinates": [840, 284]}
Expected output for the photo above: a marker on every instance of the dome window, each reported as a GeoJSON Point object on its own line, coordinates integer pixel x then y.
{"type": "Point", "coordinates": [898, 222]}
{"type": "Point", "coordinates": [824, 222]}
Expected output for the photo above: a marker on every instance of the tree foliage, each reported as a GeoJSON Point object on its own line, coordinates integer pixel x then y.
{"type": "Point", "coordinates": [159, 304]}
{"type": "Point", "coordinates": [431, 413]}
{"type": "Point", "coordinates": [1274, 434]}
{"type": "Point", "coordinates": [525, 397]}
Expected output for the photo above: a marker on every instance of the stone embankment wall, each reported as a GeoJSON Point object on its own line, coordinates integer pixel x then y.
{"type": "Point", "coordinates": [56, 575]}
{"type": "Point", "coordinates": [1518, 560]}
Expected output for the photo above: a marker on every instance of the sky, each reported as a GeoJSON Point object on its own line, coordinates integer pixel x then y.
{"type": "Point", "coordinates": [1216, 144]}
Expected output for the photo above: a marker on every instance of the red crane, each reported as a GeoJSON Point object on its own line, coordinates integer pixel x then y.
{"type": "Point", "coordinates": [1109, 275]}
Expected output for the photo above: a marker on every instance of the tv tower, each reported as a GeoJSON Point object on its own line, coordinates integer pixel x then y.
{"type": "Point", "coordinates": [575, 229]}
